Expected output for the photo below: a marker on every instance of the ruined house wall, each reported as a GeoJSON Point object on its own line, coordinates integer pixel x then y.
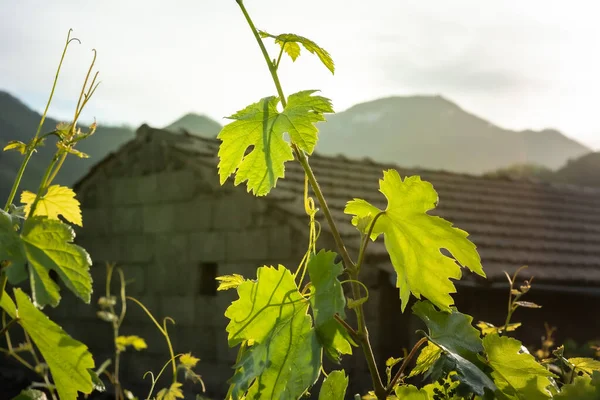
{"type": "Point", "coordinates": [163, 229]}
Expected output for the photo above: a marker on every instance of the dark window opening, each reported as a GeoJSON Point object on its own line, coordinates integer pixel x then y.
{"type": "Point", "coordinates": [207, 284]}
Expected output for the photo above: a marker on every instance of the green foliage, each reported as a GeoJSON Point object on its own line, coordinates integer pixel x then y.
{"type": "Point", "coordinates": [427, 358]}
{"type": "Point", "coordinates": [261, 126]}
{"type": "Point", "coordinates": [284, 355]}
{"type": "Point", "coordinates": [334, 386]}
{"type": "Point", "coordinates": [582, 388]}
{"type": "Point", "coordinates": [327, 301]}
{"type": "Point", "coordinates": [410, 392]}
{"type": "Point", "coordinates": [289, 43]}
{"type": "Point", "coordinates": [69, 361]}
{"type": "Point", "coordinates": [516, 373]}
{"type": "Point", "coordinates": [414, 239]}
{"type": "Point", "coordinates": [31, 394]}
{"type": "Point", "coordinates": [58, 200]}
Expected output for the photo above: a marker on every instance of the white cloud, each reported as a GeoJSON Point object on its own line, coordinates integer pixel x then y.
{"type": "Point", "coordinates": [521, 64]}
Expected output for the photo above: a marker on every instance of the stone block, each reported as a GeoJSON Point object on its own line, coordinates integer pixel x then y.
{"type": "Point", "coordinates": [136, 315]}
{"type": "Point", "coordinates": [101, 248]}
{"type": "Point", "coordinates": [96, 221]}
{"type": "Point", "coordinates": [280, 242]}
{"type": "Point", "coordinates": [207, 246]}
{"type": "Point", "coordinates": [205, 312]}
{"type": "Point", "coordinates": [171, 278]}
{"type": "Point", "coordinates": [159, 218]}
{"type": "Point", "coordinates": [147, 189]}
{"type": "Point", "coordinates": [135, 278]}
{"type": "Point", "coordinates": [127, 220]}
{"type": "Point", "coordinates": [225, 354]}
{"type": "Point", "coordinates": [176, 185]}
{"type": "Point", "coordinates": [135, 248]}
{"type": "Point", "coordinates": [194, 215]}
{"type": "Point", "coordinates": [123, 191]}
{"type": "Point", "coordinates": [180, 308]}
{"type": "Point", "coordinates": [251, 244]}
{"type": "Point", "coordinates": [201, 342]}
{"type": "Point", "coordinates": [171, 249]}
{"type": "Point", "coordinates": [233, 212]}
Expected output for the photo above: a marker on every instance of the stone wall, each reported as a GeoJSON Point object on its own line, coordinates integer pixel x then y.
{"type": "Point", "coordinates": [166, 231]}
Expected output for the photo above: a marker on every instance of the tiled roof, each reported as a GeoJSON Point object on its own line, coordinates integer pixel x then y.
{"type": "Point", "coordinates": [554, 229]}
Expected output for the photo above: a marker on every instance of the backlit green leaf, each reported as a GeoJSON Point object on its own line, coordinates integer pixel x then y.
{"type": "Point", "coordinates": [58, 200]}
{"type": "Point", "coordinates": [326, 301]}
{"type": "Point", "coordinates": [16, 145]}
{"type": "Point", "coordinates": [260, 126]}
{"type": "Point", "coordinates": [47, 246]}
{"type": "Point", "coordinates": [31, 394]}
{"type": "Point", "coordinates": [428, 356]}
{"type": "Point", "coordinates": [11, 250]}
{"type": "Point", "coordinates": [582, 388]}
{"type": "Point", "coordinates": [285, 356]}
{"type": "Point", "coordinates": [334, 386]}
{"type": "Point", "coordinates": [173, 392]}
{"type": "Point", "coordinates": [487, 328]}
{"type": "Point", "coordinates": [286, 39]}
{"type": "Point", "coordinates": [410, 392]}
{"type": "Point", "coordinates": [69, 361]}
{"type": "Point", "coordinates": [227, 282]}
{"type": "Point", "coordinates": [134, 341]}
{"type": "Point", "coordinates": [516, 374]}
{"type": "Point", "coordinates": [414, 239]}
{"type": "Point", "coordinates": [452, 330]}
{"type": "Point", "coordinates": [328, 297]}
{"type": "Point", "coordinates": [587, 365]}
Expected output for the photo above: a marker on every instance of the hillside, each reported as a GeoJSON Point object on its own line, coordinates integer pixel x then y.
{"type": "Point", "coordinates": [19, 122]}
{"type": "Point", "coordinates": [583, 171]}
{"type": "Point", "coordinates": [197, 124]}
{"type": "Point", "coordinates": [432, 132]}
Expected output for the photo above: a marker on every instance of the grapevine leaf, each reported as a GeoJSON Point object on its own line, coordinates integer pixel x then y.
{"type": "Point", "coordinates": [68, 359]}
{"type": "Point", "coordinates": [261, 126]}
{"type": "Point", "coordinates": [134, 341]}
{"type": "Point", "coordinates": [31, 394]}
{"type": "Point", "coordinates": [286, 39]}
{"type": "Point", "coordinates": [469, 374]}
{"type": "Point", "coordinates": [11, 250]}
{"type": "Point", "coordinates": [264, 164]}
{"type": "Point", "coordinates": [414, 239]}
{"type": "Point", "coordinates": [428, 356]}
{"type": "Point", "coordinates": [587, 365]}
{"type": "Point", "coordinates": [334, 386]}
{"type": "Point", "coordinates": [517, 374]}
{"type": "Point", "coordinates": [452, 330]}
{"type": "Point", "coordinates": [188, 360]}
{"type": "Point", "coordinates": [335, 340]}
{"type": "Point", "coordinates": [227, 282]}
{"type": "Point", "coordinates": [16, 145]}
{"type": "Point", "coordinates": [582, 388]}
{"type": "Point", "coordinates": [487, 328]}
{"type": "Point", "coordinates": [527, 304]}
{"type": "Point", "coordinates": [173, 392]}
{"type": "Point", "coordinates": [328, 298]}
{"type": "Point", "coordinates": [47, 245]}
{"type": "Point", "coordinates": [58, 200]}
{"type": "Point", "coordinates": [410, 392]}
{"type": "Point", "coordinates": [285, 357]}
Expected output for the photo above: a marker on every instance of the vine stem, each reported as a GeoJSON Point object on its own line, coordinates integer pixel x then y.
{"type": "Point", "coordinates": [405, 362]}
{"type": "Point", "coordinates": [362, 334]}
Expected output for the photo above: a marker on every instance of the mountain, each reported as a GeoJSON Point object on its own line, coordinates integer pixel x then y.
{"type": "Point", "coordinates": [584, 171]}
{"type": "Point", "coordinates": [434, 133]}
{"type": "Point", "coordinates": [19, 122]}
{"type": "Point", "coordinates": [197, 124]}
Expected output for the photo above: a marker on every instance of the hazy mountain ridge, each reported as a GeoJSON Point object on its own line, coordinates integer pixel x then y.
{"type": "Point", "coordinates": [425, 131]}
{"type": "Point", "coordinates": [433, 132]}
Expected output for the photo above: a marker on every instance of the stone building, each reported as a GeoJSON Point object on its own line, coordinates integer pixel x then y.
{"type": "Point", "coordinates": [155, 207]}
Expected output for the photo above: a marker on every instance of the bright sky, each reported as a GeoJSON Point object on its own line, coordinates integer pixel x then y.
{"type": "Point", "coordinates": [520, 64]}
